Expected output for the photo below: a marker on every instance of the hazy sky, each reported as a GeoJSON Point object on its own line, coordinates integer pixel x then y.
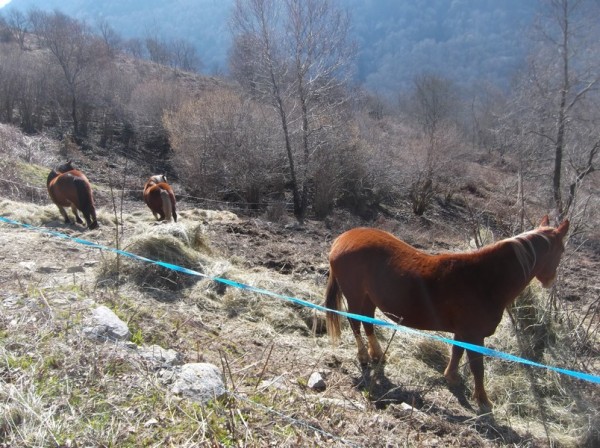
{"type": "Point", "coordinates": [3, 2]}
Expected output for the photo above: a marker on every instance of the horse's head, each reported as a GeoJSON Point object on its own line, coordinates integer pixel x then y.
{"type": "Point", "coordinates": [60, 169]}
{"type": "Point", "coordinates": [157, 179]}
{"type": "Point", "coordinates": [555, 236]}
{"type": "Point", "coordinates": [67, 166]}
{"type": "Point", "coordinates": [160, 178]}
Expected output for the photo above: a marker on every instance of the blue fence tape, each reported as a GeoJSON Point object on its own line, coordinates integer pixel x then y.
{"type": "Point", "coordinates": [475, 348]}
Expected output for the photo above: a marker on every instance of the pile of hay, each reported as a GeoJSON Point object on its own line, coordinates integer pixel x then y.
{"type": "Point", "coordinates": [172, 243]}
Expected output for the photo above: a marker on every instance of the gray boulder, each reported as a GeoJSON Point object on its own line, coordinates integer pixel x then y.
{"type": "Point", "coordinates": [199, 382]}
{"type": "Point", "coordinates": [104, 325]}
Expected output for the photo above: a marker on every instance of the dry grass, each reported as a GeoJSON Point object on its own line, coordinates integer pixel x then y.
{"type": "Point", "coordinates": [59, 389]}
{"type": "Point", "coordinates": [171, 243]}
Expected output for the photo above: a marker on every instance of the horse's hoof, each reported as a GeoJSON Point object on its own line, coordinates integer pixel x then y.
{"type": "Point", "coordinates": [363, 359]}
{"type": "Point", "coordinates": [486, 408]}
{"type": "Point", "coordinates": [453, 379]}
{"type": "Point", "coordinates": [484, 403]}
{"type": "Point", "coordinates": [378, 359]}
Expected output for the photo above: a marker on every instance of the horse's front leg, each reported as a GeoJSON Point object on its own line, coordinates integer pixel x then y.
{"type": "Point", "coordinates": [476, 364]}
{"type": "Point", "coordinates": [451, 372]}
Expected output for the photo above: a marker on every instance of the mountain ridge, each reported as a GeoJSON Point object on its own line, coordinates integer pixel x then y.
{"type": "Point", "coordinates": [465, 40]}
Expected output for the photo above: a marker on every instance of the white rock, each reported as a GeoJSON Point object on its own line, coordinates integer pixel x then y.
{"type": "Point", "coordinates": [316, 382]}
{"type": "Point", "coordinates": [160, 356]}
{"type": "Point", "coordinates": [103, 324]}
{"type": "Point", "coordinates": [151, 422]}
{"type": "Point", "coordinates": [200, 382]}
{"type": "Point", "coordinates": [340, 403]}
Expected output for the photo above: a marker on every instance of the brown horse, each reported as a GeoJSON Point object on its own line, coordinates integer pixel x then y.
{"type": "Point", "coordinates": [69, 187]}
{"type": "Point", "coordinates": [160, 198]}
{"type": "Point", "coordinates": [462, 293]}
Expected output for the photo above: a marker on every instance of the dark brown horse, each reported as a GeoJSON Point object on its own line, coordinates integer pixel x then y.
{"type": "Point", "coordinates": [160, 198]}
{"type": "Point", "coordinates": [462, 293]}
{"type": "Point", "coordinates": [69, 187]}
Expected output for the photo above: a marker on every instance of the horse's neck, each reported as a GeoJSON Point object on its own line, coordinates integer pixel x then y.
{"type": "Point", "coordinates": [519, 259]}
{"type": "Point", "coordinates": [531, 249]}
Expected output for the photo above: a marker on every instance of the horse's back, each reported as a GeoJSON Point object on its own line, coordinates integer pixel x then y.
{"type": "Point", "coordinates": [374, 260]}
{"type": "Point", "coordinates": [399, 279]}
{"type": "Point", "coordinates": [154, 197]}
{"type": "Point", "coordinates": [72, 187]}
{"type": "Point", "coordinates": [374, 247]}
{"type": "Point", "coordinates": [152, 192]}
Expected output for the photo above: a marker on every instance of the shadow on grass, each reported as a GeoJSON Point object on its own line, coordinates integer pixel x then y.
{"type": "Point", "coordinates": [382, 392]}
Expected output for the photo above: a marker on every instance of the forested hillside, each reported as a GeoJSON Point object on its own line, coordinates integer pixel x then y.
{"type": "Point", "coordinates": [466, 41]}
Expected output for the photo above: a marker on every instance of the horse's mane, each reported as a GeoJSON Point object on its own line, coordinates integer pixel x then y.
{"type": "Point", "coordinates": [524, 250]}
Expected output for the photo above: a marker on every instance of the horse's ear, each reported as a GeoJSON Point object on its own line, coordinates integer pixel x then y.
{"type": "Point", "coordinates": [563, 228]}
{"type": "Point", "coordinates": [545, 221]}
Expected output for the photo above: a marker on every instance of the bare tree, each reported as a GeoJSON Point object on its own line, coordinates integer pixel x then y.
{"type": "Point", "coordinates": [434, 106]}
{"type": "Point", "coordinates": [17, 24]}
{"type": "Point", "coordinates": [184, 56]}
{"type": "Point", "coordinates": [112, 40]}
{"type": "Point", "coordinates": [434, 101]}
{"type": "Point", "coordinates": [76, 50]}
{"type": "Point", "coordinates": [565, 73]}
{"type": "Point", "coordinates": [158, 50]}
{"type": "Point", "coordinates": [224, 146]}
{"type": "Point", "coordinates": [294, 55]}
{"type": "Point", "coordinates": [134, 47]}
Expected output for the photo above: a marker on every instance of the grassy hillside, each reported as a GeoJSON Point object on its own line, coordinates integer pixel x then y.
{"type": "Point", "coordinates": [58, 388]}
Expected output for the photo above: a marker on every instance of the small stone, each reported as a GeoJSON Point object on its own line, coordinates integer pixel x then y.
{"type": "Point", "coordinates": [151, 422]}
{"type": "Point", "coordinates": [29, 265]}
{"type": "Point", "coordinates": [160, 356]}
{"type": "Point", "coordinates": [316, 382]}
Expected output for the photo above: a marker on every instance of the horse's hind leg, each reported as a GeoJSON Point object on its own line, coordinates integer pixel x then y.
{"type": "Point", "coordinates": [90, 219]}
{"type": "Point", "coordinates": [375, 351]}
{"type": "Point", "coordinates": [363, 354]}
{"type": "Point", "coordinates": [76, 213]}
{"type": "Point", "coordinates": [63, 213]}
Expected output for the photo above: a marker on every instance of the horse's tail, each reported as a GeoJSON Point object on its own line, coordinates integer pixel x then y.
{"type": "Point", "coordinates": [86, 202]}
{"type": "Point", "coordinates": [333, 297]}
{"type": "Point", "coordinates": [167, 204]}
{"type": "Point", "coordinates": [173, 202]}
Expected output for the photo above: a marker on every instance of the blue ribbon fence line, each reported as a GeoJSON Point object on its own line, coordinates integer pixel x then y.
{"type": "Point", "coordinates": [475, 348]}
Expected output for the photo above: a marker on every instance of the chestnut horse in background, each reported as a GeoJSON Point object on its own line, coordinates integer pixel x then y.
{"type": "Point", "coordinates": [69, 187]}
{"type": "Point", "coordinates": [160, 198]}
{"type": "Point", "coordinates": [462, 293]}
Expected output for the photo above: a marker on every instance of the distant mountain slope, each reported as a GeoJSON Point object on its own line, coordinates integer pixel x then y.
{"type": "Point", "coordinates": [465, 40]}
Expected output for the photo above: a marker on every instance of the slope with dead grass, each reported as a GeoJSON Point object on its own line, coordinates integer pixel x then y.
{"type": "Point", "coordinates": [59, 389]}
